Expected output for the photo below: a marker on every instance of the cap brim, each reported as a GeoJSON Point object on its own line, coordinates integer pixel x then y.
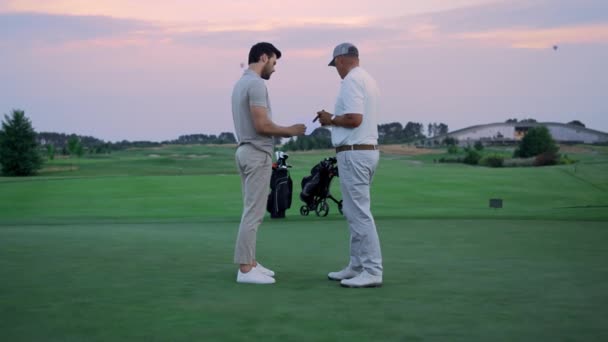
{"type": "Point", "coordinates": [333, 62]}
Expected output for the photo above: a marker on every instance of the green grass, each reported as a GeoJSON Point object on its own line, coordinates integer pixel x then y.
{"type": "Point", "coordinates": [133, 247]}
{"type": "Point", "coordinates": [452, 281]}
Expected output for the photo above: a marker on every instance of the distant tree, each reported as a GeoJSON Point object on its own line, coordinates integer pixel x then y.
{"type": "Point", "coordinates": [18, 147]}
{"type": "Point", "coordinates": [452, 144]}
{"type": "Point", "coordinates": [320, 138]}
{"type": "Point", "coordinates": [511, 121]}
{"type": "Point", "coordinates": [60, 140]}
{"type": "Point", "coordinates": [441, 129]}
{"type": "Point", "coordinates": [530, 120]}
{"type": "Point", "coordinates": [50, 151]}
{"type": "Point", "coordinates": [290, 145]}
{"type": "Point", "coordinates": [103, 148]}
{"type": "Point", "coordinates": [226, 138]}
{"type": "Point", "coordinates": [390, 133]}
{"type": "Point", "coordinates": [413, 131]}
{"type": "Point", "coordinates": [576, 123]}
{"type": "Point", "coordinates": [79, 150]}
{"type": "Point", "coordinates": [73, 145]}
{"type": "Point", "coordinates": [478, 145]}
{"type": "Point", "coordinates": [450, 141]}
{"type": "Point", "coordinates": [322, 133]}
{"type": "Point", "coordinates": [434, 129]}
{"type": "Point", "coordinates": [536, 141]}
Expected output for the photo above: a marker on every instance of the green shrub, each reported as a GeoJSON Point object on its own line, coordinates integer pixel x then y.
{"type": "Point", "coordinates": [537, 140]}
{"type": "Point", "coordinates": [565, 160]}
{"type": "Point", "coordinates": [493, 161]}
{"type": "Point", "coordinates": [450, 141]}
{"type": "Point", "coordinates": [452, 149]}
{"type": "Point", "coordinates": [50, 151]}
{"type": "Point", "coordinates": [478, 145]}
{"type": "Point", "coordinates": [450, 160]}
{"type": "Point", "coordinates": [517, 162]}
{"type": "Point", "coordinates": [472, 157]}
{"type": "Point", "coordinates": [546, 158]}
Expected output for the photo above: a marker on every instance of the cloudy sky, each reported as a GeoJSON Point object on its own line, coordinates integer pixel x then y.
{"type": "Point", "coordinates": [157, 69]}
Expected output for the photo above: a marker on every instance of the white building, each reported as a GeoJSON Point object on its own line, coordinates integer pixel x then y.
{"type": "Point", "coordinates": [513, 132]}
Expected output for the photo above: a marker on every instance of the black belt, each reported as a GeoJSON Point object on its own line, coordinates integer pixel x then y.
{"type": "Point", "coordinates": [356, 148]}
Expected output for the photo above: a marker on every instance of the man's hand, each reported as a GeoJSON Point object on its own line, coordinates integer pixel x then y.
{"type": "Point", "coordinates": [297, 130]}
{"type": "Point", "coordinates": [324, 117]}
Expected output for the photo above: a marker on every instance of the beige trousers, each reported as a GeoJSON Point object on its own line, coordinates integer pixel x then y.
{"type": "Point", "coordinates": [255, 168]}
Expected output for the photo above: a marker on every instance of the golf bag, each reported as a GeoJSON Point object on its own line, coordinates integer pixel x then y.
{"type": "Point", "coordinates": [315, 188]}
{"type": "Point", "coordinates": [281, 187]}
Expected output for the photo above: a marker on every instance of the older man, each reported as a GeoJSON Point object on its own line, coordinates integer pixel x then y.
{"type": "Point", "coordinates": [355, 137]}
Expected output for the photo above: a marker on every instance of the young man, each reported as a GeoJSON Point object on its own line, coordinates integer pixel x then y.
{"type": "Point", "coordinates": [254, 128]}
{"type": "Point", "coordinates": [355, 136]}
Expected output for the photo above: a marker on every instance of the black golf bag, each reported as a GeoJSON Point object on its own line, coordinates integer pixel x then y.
{"type": "Point", "coordinates": [281, 187]}
{"type": "Point", "coordinates": [315, 188]}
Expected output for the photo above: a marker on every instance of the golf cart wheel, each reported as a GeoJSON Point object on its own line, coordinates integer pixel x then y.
{"type": "Point", "coordinates": [340, 208]}
{"type": "Point", "coordinates": [304, 211]}
{"type": "Point", "coordinates": [322, 209]}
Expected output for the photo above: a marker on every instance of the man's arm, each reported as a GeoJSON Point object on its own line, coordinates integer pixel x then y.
{"type": "Point", "coordinates": [263, 125]}
{"type": "Point", "coordinates": [350, 120]}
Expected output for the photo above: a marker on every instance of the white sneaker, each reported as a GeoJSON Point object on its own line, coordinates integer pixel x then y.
{"type": "Point", "coordinates": [265, 270]}
{"type": "Point", "coordinates": [254, 276]}
{"type": "Point", "coordinates": [346, 273]}
{"type": "Point", "coordinates": [364, 279]}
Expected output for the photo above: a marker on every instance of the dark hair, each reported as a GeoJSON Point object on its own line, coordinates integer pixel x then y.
{"type": "Point", "coordinates": [260, 49]}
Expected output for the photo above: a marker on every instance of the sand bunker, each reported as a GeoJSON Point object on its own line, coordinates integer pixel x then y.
{"type": "Point", "coordinates": [407, 150]}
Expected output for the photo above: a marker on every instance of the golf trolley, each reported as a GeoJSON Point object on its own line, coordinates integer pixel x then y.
{"type": "Point", "coordinates": [315, 188]}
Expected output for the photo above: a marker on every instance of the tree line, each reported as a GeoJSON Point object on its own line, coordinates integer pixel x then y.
{"type": "Point", "coordinates": [530, 120]}
{"type": "Point", "coordinates": [72, 144]}
{"type": "Point", "coordinates": [320, 138]}
{"type": "Point", "coordinates": [21, 148]}
{"type": "Point", "coordinates": [390, 133]}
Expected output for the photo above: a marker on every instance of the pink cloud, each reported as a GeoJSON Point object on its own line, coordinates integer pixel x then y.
{"type": "Point", "coordinates": [235, 10]}
{"type": "Point", "coordinates": [528, 38]}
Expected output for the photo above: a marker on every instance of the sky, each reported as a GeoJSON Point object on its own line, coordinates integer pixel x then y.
{"type": "Point", "coordinates": [157, 69]}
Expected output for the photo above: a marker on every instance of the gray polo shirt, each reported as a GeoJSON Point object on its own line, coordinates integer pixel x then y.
{"type": "Point", "coordinates": [249, 91]}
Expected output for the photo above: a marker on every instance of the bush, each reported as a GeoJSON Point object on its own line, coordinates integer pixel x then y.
{"type": "Point", "coordinates": [449, 141]}
{"type": "Point", "coordinates": [472, 157]}
{"type": "Point", "coordinates": [565, 160]}
{"type": "Point", "coordinates": [538, 140]}
{"type": "Point", "coordinates": [493, 161]}
{"type": "Point", "coordinates": [478, 145]}
{"type": "Point", "coordinates": [50, 151]}
{"type": "Point", "coordinates": [547, 158]}
{"type": "Point", "coordinates": [452, 149]}
{"type": "Point", "coordinates": [515, 162]}
{"type": "Point", "coordinates": [450, 160]}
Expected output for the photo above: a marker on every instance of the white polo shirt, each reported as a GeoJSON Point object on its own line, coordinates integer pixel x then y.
{"type": "Point", "coordinates": [359, 94]}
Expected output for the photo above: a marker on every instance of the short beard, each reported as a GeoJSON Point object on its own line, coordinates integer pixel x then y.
{"type": "Point", "coordinates": [265, 74]}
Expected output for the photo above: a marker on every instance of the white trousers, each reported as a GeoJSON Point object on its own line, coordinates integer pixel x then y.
{"type": "Point", "coordinates": [356, 171]}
